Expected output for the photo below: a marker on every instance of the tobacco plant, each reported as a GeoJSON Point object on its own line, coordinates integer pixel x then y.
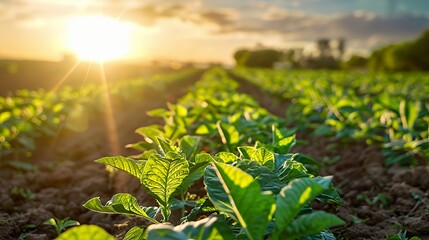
{"type": "Point", "coordinates": [256, 195]}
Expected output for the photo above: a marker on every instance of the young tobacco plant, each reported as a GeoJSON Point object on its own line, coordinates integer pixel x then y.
{"type": "Point", "coordinates": [61, 224]}
{"type": "Point", "coordinates": [164, 174]}
{"type": "Point", "coordinates": [257, 195]}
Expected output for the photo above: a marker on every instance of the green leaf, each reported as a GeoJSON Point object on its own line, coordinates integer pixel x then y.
{"type": "Point", "coordinates": [204, 205]}
{"type": "Point", "coordinates": [226, 157]}
{"type": "Point", "coordinates": [166, 146]}
{"type": "Point", "coordinates": [409, 112]}
{"type": "Point", "coordinates": [135, 233]}
{"type": "Point", "coordinates": [287, 144]}
{"type": "Point", "coordinates": [282, 141]}
{"type": "Point", "coordinates": [263, 157]}
{"type": "Point", "coordinates": [189, 146]}
{"type": "Point", "coordinates": [311, 223]}
{"type": "Point", "coordinates": [196, 170]}
{"type": "Point", "coordinates": [293, 198]}
{"type": "Point", "coordinates": [162, 176]}
{"type": "Point", "coordinates": [268, 180]}
{"type": "Point", "coordinates": [85, 232]}
{"type": "Point", "coordinates": [229, 135]}
{"type": "Point", "coordinates": [159, 112]}
{"type": "Point", "coordinates": [127, 165]}
{"type": "Point", "coordinates": [291, 170]}
{"type": "Point", "coordinates": [211, 228]}
{"type": "Point", "coordinates": [121, 203]}
{"type": "Point", "coordinates": [4, 116]}
{"type": "Point", "coordinates": [150, 133]}
{"type": "Point", "coordinates": [246, 152]}
{"type": "Point", "coordinates": [208, 228]}
{"type": "Point", "coordinates": [237, 194]}
{"type": "Point", "coordinates": [164, 232]}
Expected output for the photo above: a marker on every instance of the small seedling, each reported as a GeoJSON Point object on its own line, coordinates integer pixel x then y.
{"type": "Point", "coordinates": [61, 224]}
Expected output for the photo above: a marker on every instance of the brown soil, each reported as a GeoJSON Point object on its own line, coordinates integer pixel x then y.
{"type": "Point", "coordinates": [378, 201]}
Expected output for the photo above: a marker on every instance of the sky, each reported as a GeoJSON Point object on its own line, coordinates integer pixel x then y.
{"type": "Point", "coordinates": [211, 30]}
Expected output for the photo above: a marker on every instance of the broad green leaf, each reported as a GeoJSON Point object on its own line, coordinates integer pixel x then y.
{"type": "Point", "coordinates": [135, 233]}
{"type": "Point", "coordinates": [226, 157]}
{"type": "Point", "coordinates": [311, 223]}
{"type": "Point", "coordinates": [189, 146]}
{"type": "Point", "coordinates": [207, 228]}
{"type": "Point", "coordinates": [121, 203]}
{"type": "Point", "coordinates": [204, 205]}
{"type": "Point", "coordinates": [268, 180]}
{"type": "Point", "coordinates": [162, 176]}
{"type": "Point", "coordinates": [246, 151]}
{"type": "Point", "coordinates": [237, 194]}
{"type": "Point", "coordinates": [4, 116]}
{"type": "Point", "coordinates": [229, 134]}
{"type": "Point", "coordinates": [263, 157]}
{"type": "Point", "coordinates": [85, 232]}
{"type": "Point", "coordinates": [166, 146]}
{"type": "Point", "coordinates": [291, 170]}
{"type": "Point", "coordinates": [280, 159]}
{"type": "Point", "coordinates": [304, 159]}
{"type": "Point", "coordinates": [196, 170]}
{"type": "Point", "coordinates": [211, 228]}
{"type": "Point", "coordinates": [127, 165]}
{"type": "Point", "coordinates": [203, 130]}
{"type": "Point", "coordinates": [164, 232]}
{"type": "Point", "coordinates": [293, 198]}
{"type": "Point", "coordinates": [287, 144]}
{"type": "Point", "coordinates": [159, 112]}
{"type": "Point", "coordinates": [283, 141]}
{"type": "Point", "coordinates": [150, 133]}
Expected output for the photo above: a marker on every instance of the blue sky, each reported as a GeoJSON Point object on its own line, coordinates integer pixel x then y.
{"type": "Point", "coordinates": [211, 30]}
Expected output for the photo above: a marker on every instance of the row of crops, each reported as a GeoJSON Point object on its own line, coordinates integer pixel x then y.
{"type": "Point", "coordinates": [28, 115]}
{"type": "Point", "coordinates": [391, 109]}
{"type": "Point", "coordinates": [220, 166]}
{"type": "Point", "coordinates": [254, 187]}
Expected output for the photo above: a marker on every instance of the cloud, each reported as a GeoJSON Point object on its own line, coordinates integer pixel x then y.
{"type": "Point", "coordinates": [360, 28]}
{"type": "Point", "coordinates": [219, 17]}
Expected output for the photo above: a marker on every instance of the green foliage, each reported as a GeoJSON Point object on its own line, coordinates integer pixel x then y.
{"type": "Point", "coordinates": [264, 58]}
{"type": "Point", "coordinates": [162, 176]}
{"type": "Point", "coordinates": [356, 62]}
{"type": "Point", "coordinates": [85, 232]}
{"type": "Point", "coordinates": [239, 195]}
{"type": "Point", "coordinates": [239, 187]}
{"type": "Point", "coordinates": [405, 56]}
{"type": "Point", "coordinates": [206, 228]}
{"type": "Point", "coordinates": [29, 115]}
{"type": "Point", "coordinates": [242, 190]}
{"type": "Point", "coordinates": [387, 109]}
{"type": "Point", "coordinates": [61, 224]}
{"type": "Point", "coordinates": [122, 203]}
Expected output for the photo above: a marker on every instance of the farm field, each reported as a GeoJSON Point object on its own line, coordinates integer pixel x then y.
{"type": "Point", "coordinates": [234, 154]}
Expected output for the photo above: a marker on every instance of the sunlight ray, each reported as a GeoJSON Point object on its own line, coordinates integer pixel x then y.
{"type": "Point", "coordinates": [111, 129]}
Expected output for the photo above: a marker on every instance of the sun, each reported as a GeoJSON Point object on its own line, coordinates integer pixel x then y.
{"type": "Point", "coordinates": [99, 38]}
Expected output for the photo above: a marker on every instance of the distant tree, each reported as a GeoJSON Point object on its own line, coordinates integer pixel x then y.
{"type": "Point", "coordinates": [241, 57]}
{"type": "Point", "coordinates": [405, 56]}
{"type": "Point", "coordinates": [341, 47]}
{"type": "Point", "coordinates": [356, 62]}
{"type": "Point", "coordinates": [263, 58]}
{"type": "Point", "coordinates": [324, 47]}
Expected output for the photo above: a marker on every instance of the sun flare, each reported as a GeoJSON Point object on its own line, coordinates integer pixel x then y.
{"type": "Point", "coordinates": [99, 38]}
